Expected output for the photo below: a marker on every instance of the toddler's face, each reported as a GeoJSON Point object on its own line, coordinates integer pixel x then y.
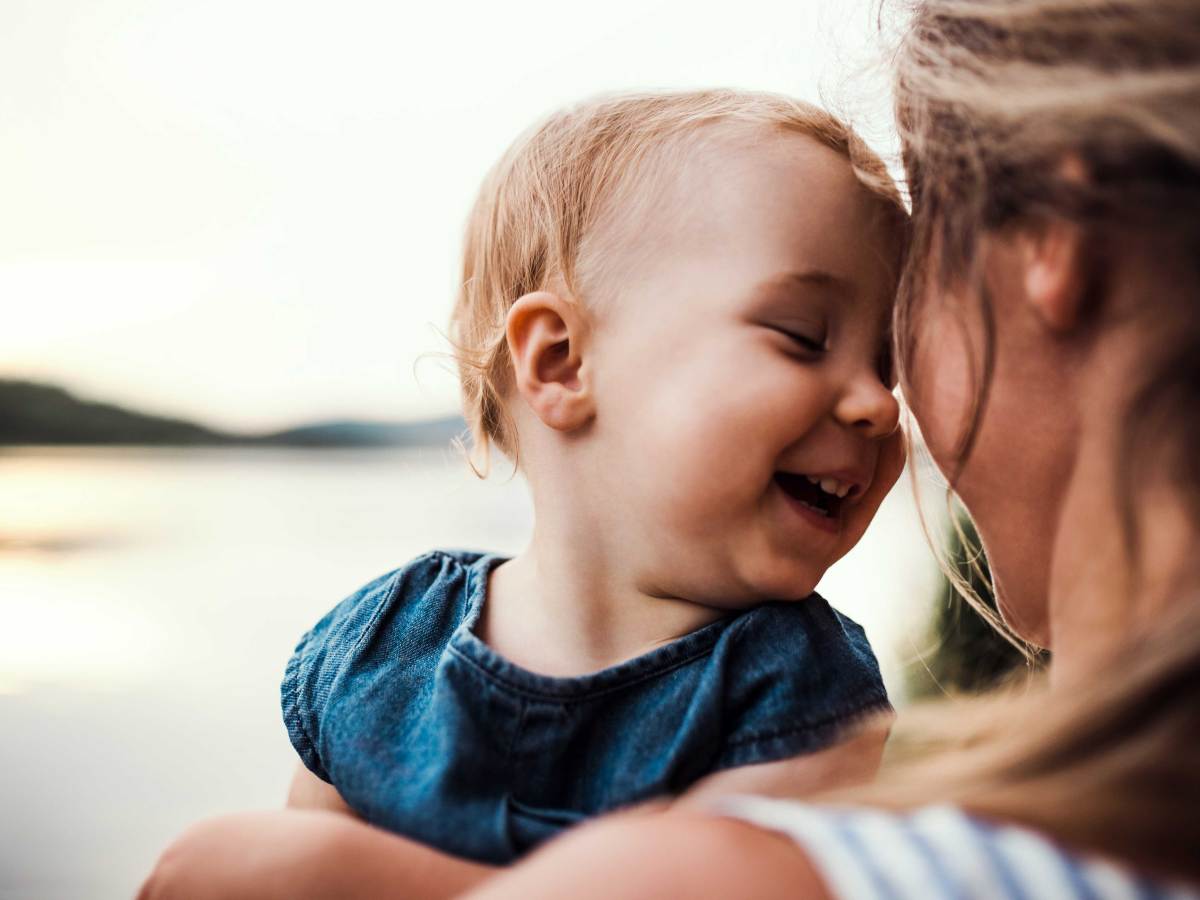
{"type": "Point", "coordinates": [743, 357]}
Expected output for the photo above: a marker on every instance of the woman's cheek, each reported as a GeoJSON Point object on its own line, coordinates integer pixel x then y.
{"type": "Point", "coordinates": [940, 389]}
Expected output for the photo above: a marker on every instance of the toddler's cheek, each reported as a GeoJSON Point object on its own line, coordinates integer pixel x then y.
{"type": "Point", "coordinates": [706, 488]}
{"type": "Point", "coordinates": [888, 467]}
{"type": "Point", "coordinates": [892, 456]}
{"type": "Point", "coordinates": [713, 448]}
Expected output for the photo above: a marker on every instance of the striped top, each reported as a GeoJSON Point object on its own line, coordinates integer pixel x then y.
{"type": "Point", "coordinates": [939, 853]}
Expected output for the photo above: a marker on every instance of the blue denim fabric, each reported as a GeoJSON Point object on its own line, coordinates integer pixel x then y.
{"type": "Point", "coordinates": [428, 732]}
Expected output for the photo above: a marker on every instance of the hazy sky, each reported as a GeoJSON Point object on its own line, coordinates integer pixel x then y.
{"type": "Point", "coordinates": [250, 212]}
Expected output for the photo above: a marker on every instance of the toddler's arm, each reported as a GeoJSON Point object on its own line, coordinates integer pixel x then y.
{"type": "Point", "coordinates": [310, 792]}
{"type": "Point", "coordinates": [295, 854]}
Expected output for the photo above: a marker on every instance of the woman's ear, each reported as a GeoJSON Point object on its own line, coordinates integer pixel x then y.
{"type": "Point", "coordinates": [1054, 257]}
{"type": "Point", "coordinates": [548, 343]}
{"type": "Point", "coordinates": [1055, 273]}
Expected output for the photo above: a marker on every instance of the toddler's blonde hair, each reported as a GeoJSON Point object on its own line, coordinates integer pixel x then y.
{"type": "Point", "coordinates": [545, 196]}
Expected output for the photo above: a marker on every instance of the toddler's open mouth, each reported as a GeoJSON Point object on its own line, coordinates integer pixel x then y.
{"type": "Point", "coordinates": [823, 495]}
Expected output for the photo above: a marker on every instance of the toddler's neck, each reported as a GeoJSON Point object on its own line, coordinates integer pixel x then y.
{"type": "Point", "coordinates": [561, 608]}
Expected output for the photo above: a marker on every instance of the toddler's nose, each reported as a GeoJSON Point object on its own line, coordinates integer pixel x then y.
{"type": "Point", "coordinates": [868, 407]}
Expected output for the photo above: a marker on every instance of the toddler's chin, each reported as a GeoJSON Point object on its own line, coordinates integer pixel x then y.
{"type": "Point", "coordinates": [785, 580]}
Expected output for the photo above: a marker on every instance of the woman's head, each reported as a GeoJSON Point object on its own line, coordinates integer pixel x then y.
{"type": "Point", "coordinates": [1049, 323]}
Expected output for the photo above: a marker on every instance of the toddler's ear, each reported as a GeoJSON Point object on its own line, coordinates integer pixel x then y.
{"type": "Point", "coordinates": [547, 339]}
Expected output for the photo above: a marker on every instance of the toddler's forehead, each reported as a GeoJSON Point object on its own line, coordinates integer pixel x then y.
{"type": "Point", "coordinates": [654, 194]}
{"type": "Point", "coordinates": [659, 197]}
{"type": "Point", "coordinates": [683, 193]}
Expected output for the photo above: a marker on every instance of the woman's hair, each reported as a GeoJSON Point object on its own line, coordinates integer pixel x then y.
{"type": "Point", "coordinates": [1001, 104]}
{"type": "Point", "coordinates": [1107, 765]}
{"type": "Point", "coordinates": [541, 204]}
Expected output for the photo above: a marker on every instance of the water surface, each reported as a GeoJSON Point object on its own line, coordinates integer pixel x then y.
{"type": "Point", "coordinates": [150, 598]}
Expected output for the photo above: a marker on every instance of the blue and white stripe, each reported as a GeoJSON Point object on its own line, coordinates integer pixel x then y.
{"type": "Point", "coordinates": [939, 853]}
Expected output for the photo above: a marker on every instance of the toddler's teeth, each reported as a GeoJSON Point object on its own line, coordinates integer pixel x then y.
{"type": "Point", "coordinates": [812, 479]}
{"type": "Point", "coordinates": [843, 490]}
{"type": "Point", "coordinates": [829, 485]}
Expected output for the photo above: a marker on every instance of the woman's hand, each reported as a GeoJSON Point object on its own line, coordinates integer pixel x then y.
{"type": "Point", "coordinates": [302, 853]}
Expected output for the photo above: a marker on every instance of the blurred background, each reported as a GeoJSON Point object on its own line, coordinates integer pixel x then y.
{"type": "Point", "coordinates": [228, 247]}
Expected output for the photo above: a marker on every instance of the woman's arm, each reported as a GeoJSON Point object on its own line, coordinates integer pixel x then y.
{"type": "Point", "coordinates": [296, 854]}
{"type": "Point", "coordinates": [656, 855]}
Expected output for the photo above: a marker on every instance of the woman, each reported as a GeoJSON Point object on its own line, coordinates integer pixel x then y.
{"type": "Point", "coordinates": [1049, 344]}
{"type": "Point", "coordinates": [1049, 339]}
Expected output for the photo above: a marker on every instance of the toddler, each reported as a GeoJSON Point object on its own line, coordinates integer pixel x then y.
{"type": "Point", "coordinates": [674, 320]}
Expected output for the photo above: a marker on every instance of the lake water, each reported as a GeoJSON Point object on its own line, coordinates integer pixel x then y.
{"type": "Point", "coordinates": [150, 598]}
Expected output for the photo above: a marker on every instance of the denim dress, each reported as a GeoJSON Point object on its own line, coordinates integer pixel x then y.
{"type": "Point", "coordinates": [427, 732]}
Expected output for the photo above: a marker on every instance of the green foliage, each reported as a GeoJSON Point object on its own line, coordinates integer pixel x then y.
{"type": "Point", "coordinates": [969, 656]}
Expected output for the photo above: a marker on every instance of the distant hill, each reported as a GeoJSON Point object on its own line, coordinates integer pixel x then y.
{"type": "Point", "coordinates": [33, 413]}
{"type": "Point", "coordinates": [429, 433]}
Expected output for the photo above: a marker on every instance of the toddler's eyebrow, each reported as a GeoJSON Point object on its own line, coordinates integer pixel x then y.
{"type": "Point", "coordinates": [784, 287]}
{"type": "Point", "coordinates": [818, 277]}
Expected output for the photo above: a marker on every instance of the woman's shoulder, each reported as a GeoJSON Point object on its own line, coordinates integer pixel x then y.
{"type": "Point", "coordinates": [939, 853]}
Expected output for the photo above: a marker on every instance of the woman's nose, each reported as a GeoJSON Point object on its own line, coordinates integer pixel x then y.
{"type": "Point", "coordinates": [868, 407]}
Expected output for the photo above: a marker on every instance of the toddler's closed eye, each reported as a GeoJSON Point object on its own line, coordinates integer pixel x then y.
{"type": "Point", "coordinates": [811, 343]}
